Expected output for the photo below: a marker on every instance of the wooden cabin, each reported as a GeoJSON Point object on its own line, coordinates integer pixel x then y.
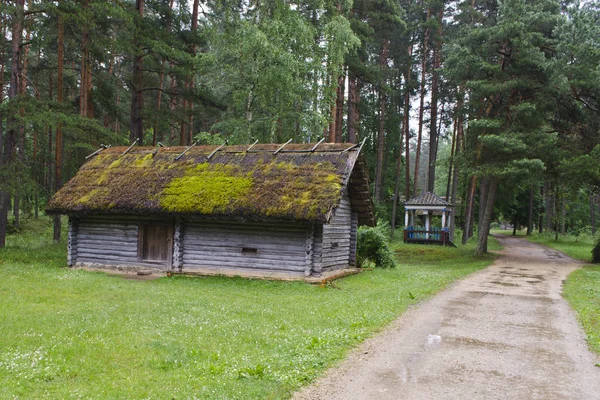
{"type": "Point", "coordinates": [419, 213]}
{"type": "Point", "coordinates": [265, 210]}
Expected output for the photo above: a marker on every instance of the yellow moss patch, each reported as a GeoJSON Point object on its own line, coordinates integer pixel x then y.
{"type": "Point", "coordinates": [115, 163]}
{"type": "Point", "coordinates": [144, 161]}
{"type": "Point", "coordinates": [205, 189]}
{"type": "Point", "coordinates": [85, 198]}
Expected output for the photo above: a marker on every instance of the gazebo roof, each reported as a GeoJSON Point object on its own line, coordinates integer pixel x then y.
{"type": "Point", "coordinates": [427, 200]}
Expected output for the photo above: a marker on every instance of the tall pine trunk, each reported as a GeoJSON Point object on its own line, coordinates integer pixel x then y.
{"type": "Point", "coordinates": [433, 131]}
{"type": "Point", "coordinates": [593, 213]}
{"type": "Point", "coordinates": [530, 213]}
{"type": "Point", "coordinates": [383, 59]}
{"type": "Point", "coordinates": [469, 216]}
{"type": "Point", "coordinates": [339, 105]}
{"type": "Point", "coordinates": [22, 93]}
{"type": "Point", "coordinates": [12, 123]}
{"type": "Point", "coordinates": [137, 102]}
{"type": "Point", "coordinates": [353, 112]}
{"type": "Point", "coordinates": [451, 162]}
{"type": "Point", "coordinates": [406, 125]}
{"type": "Point", "coordinates": [58, 152]}
{"type": "Point", "coordinates": [425, 49]}
{"type": "Point", "coordinates": [488, 208]}
{"type": "Point", "coordinates": [455, 174]}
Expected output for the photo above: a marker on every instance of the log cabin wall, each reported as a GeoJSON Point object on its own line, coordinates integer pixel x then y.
{"type": "Point", "coordinates": [267, 247]}
{"type": "Point", "coordinates": [110, 241]}
{"type": "Point", "coordinates": [336, 242]}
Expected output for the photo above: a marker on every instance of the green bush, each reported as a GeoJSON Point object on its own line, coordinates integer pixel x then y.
{"type": "Point", "coordinates": [596, 252]}
{"type": "Point", "coordinates": [373, 246]}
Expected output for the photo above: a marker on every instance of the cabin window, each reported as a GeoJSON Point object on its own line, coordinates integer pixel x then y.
{"type": "Point", "coordinates": [334, 245]}
{"type": "Point", "coordinates": [249, 250]}
{"type": "Point", "coordinates": [154, 242]}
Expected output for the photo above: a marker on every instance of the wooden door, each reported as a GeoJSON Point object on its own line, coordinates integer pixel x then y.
{"type": "Point", "coordinates": [156, 243]}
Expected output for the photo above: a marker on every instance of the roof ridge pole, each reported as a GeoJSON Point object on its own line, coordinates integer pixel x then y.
{"type": "Point", "coordinates": [252, 145]}
{"type": "Point", "coordinates": [215, 151]}
{"type": "Point", "coordinates": [282, 146]}
{"type": "Point", "coordinates": [185, 151]}
{"type": "Point", "coordinates": [359, 148]}
{"type": "Point", "coordinates": [318, 143]}
{"type": "Point", "coordinates": [102, 147]}
{"type": "Point", "coordinates": [130, 147]}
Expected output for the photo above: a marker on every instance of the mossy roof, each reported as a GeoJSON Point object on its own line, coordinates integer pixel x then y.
{"type": "Point", "coordinates": [233, 184]}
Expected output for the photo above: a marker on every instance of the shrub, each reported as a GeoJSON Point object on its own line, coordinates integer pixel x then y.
{"type": "Point", "coordinates": [596, 252]}
{"type": "Point", "coordinates": [373, 247]}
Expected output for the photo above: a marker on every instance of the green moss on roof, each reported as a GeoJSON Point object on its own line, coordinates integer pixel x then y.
{"type": "Point", "coordinates": [257, 185]}
{"type": "Point", "coordinates": [206, 189]}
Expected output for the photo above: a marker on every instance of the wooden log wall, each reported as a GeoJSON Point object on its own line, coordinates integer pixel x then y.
{"type": "Point", "coordinates": [277, 247]}
{"type": "Point", "coordinates": [335, 250]}
{"type": "Point", "coordinates": [110, 241]}
{"type": "Point", "coordinates": [72, 241]}
{"type": "Point", "coordinates": [353, 238]}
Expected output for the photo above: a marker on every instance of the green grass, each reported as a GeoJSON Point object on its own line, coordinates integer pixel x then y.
{"type": "Point", "coordinates": [70, 333]}
{"type": "Point", "coordinates": [582, 290]}
{"type": "Point", "coordinates": [578, 247]}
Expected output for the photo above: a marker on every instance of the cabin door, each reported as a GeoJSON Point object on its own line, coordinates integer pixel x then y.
{"type": "Point", "coordinates": [157, 244]}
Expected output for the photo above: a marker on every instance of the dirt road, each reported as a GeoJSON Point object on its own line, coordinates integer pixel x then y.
{"type": "Point", "coordinates": [502, 333]}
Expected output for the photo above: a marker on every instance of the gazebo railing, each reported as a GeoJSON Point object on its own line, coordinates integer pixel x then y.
{"type": "Point", "coordinates": [422, 235]}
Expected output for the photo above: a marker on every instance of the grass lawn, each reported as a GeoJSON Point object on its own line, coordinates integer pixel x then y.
{"type": "Point", "coordinates": [582, 290]}
{"type": "Point", "coordinates": [71, 333]}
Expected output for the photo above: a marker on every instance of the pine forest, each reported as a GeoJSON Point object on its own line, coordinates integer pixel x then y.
{"type": "Point", "coordinates": [493, 105]}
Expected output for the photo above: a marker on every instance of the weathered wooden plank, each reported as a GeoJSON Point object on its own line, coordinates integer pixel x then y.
{"type": "Point", "coordinates": [300, 260]}
{"type": "Point", "coordinates": [223, 264]}
{"type": "Point", "coordinates": [254, 235]}
{"type": "Point", "coordinates": [248, 226]}
{"type": "Point", "coordinates": [104, 245]}
{"type": "Point", "coordinates": [103, 239]}
{"type": "Point", "coordinates": [237, 247]}
{"type": "Point", "coordinates": [121, 259]}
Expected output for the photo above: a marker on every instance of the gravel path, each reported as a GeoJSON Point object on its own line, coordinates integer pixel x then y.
{"type": "Point", "coordinates": [502, 333]}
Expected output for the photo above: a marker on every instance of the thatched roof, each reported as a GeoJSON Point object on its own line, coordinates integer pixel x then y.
{"type": "Point", "coordinates": [258, 185]}
{"type": "Point", "coordinates": [427, 199]}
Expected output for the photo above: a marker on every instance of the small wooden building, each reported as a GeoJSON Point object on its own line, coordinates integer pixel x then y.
{"type": "Point", "coordinates": [418, 227]}
{"type": "Point", "coordinates": [259, 211]}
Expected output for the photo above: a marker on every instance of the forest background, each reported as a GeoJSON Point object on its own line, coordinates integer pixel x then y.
{"type": "Point", "coordinates": [493, 104]}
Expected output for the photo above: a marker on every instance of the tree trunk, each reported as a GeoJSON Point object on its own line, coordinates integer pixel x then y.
{"type": "Point", "coordinates": [397, 185]}
{"type": "Point", "coordinates": [549, 207]}
{"type": "Point", "coordinates": [339, 105]}
{"type": "Point", "coordinates": [433, 132]}
{"type": "Point", "coordinates": [469, 210]}
{"type": "Point", "coordinates": [541, 215]}
{"type": "Point", "coordinates": [383, 59]}
{"type": "Point", "coordinates": [421, 105]}
{"type": "Point", "coordinates": [459, 129]}
{"type": "Point", "coordinates": [593, 213]}
{"type": "Point", "coordinates": [85, 88]}
{"type": "Point", "coordinates": [12, 124]}
{"type": "Point", "coordinates": [488, 206]}
{"type": "Point", "coordinates": [353, 112]}
{"type": "Point", "coordinates": [406, 125]}
{"type": "Point", "coordinates": [21, 152]}
{"type": "Point", "coordinates": [563, 214]}
{"type": "Point", "coordinates": [483, 192]}
{"type": "Point", "coordinates": [530, 213]}
{"type": "Point", "coordinates": [451, 160]}
{"type": "Point", "coordinates": [59, 137]}
{"type": "Point", "coordinates": [137, 80]}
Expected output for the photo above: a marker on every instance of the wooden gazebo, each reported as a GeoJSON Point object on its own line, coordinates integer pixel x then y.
{"type": "Point", "coordinates": [418, 222]}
